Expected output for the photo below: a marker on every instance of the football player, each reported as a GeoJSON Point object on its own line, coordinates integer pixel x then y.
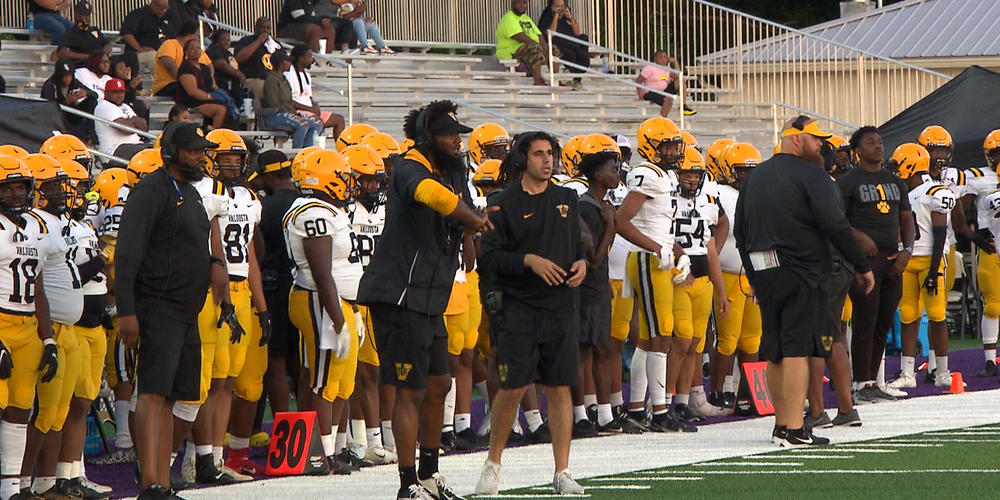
{"type": "Point", "coordinates": [354, 134]}
{"type": "Point", "coordinates": [566, 168]}
{"type": "Point", "coordinates": [69, 147]}
{"type": "Point", "coordinates": [488, 141]}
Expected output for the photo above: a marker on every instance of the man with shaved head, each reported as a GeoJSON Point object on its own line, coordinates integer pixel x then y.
{"type": "Point", "coordinates": [788, 214]}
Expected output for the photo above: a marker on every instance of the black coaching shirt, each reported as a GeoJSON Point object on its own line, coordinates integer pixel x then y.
{"type": "Point", "coordinates": [873, 201]}
{"type": "Point", "coordinates": [148, 29]}
{"type": "Point", "coordinates": [792, 206]}
{"type": "Point", "coordinates": [545, 224]}
{"type": "Point", "coordinates": [162, 258]}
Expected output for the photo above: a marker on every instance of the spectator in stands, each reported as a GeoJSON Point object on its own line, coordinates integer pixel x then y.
{"type": "Point", "coordinates": [343, 29]}
{"type": "Point", "coordinates": [94, 73]}
{"type": "Point", "coordinates": [63, 88]}
{"type": "Point", "coordinates": [253, 54]}
{"type": "Point", "coordinates": [300, 82]}
{"type": "Point", "coordinates": [298, 21]}
{"type": "Point", "coordinates": [194, 9]}
{"type": "Point", "coordinates": [364, 26]}
{"type": "Point", "coordinates": [519, 38]}
{"type": "Point", "coordinates": [227, 77]}
{"type": "Point", "coordinates": [82, 38]}
{"type": "Point", "coordinates": [120, 68]}
{"type": "Point", "coordinates": [48, 18]}
{"type": "Point", "coordinates": [144, 29]}
{"type": "Point", "coordinates": [178, 113]}
{"type": "Point", "coordinates": [114, 141]}
{"type": "Point", "coordinates": [654, 76]}
{"type": "Point", "coordinates": [558, 17]}
{"type": "Point", "coordinates": [169, 57]}
{"type": "Point", "coordinates": [277, 99]}
{"type": "Point", "coordinates": [196, 84]}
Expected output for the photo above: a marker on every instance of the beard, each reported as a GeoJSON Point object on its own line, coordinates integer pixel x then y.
{"type": "Point", "coordinates": [814, 157]}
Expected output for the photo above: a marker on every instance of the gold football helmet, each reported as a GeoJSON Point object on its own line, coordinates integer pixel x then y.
{"type": "Point", "coordinates": [991, 146]}
{"type": "Point", "coordinates": [353, 135]}
{"type": "Point", "coordinates": [655, 135]}
{"type": "Point", "coordinates": [67, 146]}
{"type": "Point", "coordinates": [12, 170]}
{"type": "Point", "coordinates": [108, 183]}
{"type": "Point", "coordinates": [909, 159]}
{"type": "Point", "coordinates": [144, 162]}
{"type": "Point", "coordinates": [486, 141]}
{"type": "Point", "coordinates": [229, 143]}
{"type": "Point", "coordinates": [52, 187]}
{"type": "Point", "coordinates": [325, 171]}
{"type": "Point", "coordinates": [487, 173]}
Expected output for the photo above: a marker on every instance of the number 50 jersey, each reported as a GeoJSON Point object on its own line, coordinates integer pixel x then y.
{"type": "Point", "coordinates": [22, 257]}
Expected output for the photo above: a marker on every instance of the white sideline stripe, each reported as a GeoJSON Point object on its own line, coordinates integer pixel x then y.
{"type": "Point", "coordinates": [987, 428]}
{"type": "Point", "coordinates": [743, 464]}
{"type": "Point", "coordinates": [844, 471]}
{"type": "Point", "coordinates": [640, 478]}
{"type": "Point", "coordinates": [605, 487]}
{"type": "Point", "coordinates": [529, 496]}
{"type": "Point", "coordinates": [528, 466]}
{"type": "Point", "coordinates": [945, 441]}
{"type": "Point", "coordinates": [894, 444]}
{"type": "Point", "coordinates": [962, 433]}
{"type": "Point", "coordinates": [853, 450]}
{"type": "Point", "coordinates": [783, 456]}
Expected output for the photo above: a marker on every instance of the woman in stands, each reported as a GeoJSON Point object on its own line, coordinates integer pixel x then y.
{"type": "Point", "coordinates": [557, 17]}
{"type": "Point", "coordinates": [95, 72]}
{"type": "Point", "coordinates": [195, 84]}
{"type": "Point", "coordinates": [63, 88]}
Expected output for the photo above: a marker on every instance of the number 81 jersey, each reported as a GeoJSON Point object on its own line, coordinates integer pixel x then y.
{"type": "Point", "coordinates": [238, 228]}
{"type": "Point", "coordinates": [22, 256]}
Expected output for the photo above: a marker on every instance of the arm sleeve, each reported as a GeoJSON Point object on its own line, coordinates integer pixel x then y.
{"type": "Point", "coordinates": [824, 200]}
{"type": "Point", "coordinates": [436, 196]}
{"type": "Point", "coordinates": [497, 246]}
{"type": "Point", "coordinates": [133, 240]}
{"type": "Point", "coordinates": [90, 269]}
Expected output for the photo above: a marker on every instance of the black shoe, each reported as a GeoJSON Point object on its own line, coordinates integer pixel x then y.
{"type": "Point", "coordinates": [638, 419]}
{"type": "Point", "coordinates": [877, 392]}
{"type": "Point", "coordinates": [178, 483]}
{"type": "Point", "coordinates": [778, 434]}
{"type": "Point", "coordinates": [629, 426]}
{"type": "Point", "coordinates": [206, 471]}
{"type": "Point", "coordinates": [686, 414]}
{"type": "Point", "coordinates": [356, 462]}
{"type": "Point", "coordinates": [930, 376]}
{"type": "Point", "coordinates": [668, 422]}
{"type": "Point", "coordinates": [337, 466]}
{"type": "Point", "coordinates": [990, 370]}
{"type": "Point", "coordinates": [448, 441]}
{"type": "Point", "coordinates": [584, 429]}
{"type": "Point", "coordinates": [802, 437]}
{"type": "Point", "coordinates": [729, 398]}
{"type": "Point", "coordinates": [722, 399]}
{"type": "Point", "coordinates": [613, 427]}
{"type": "Point", "coordinates": [467, 440]}
{"type": "Point", "coordinates": [541, 435]}
{"type": "Point", "coordinates": [592, 414]}
{"type": "Point", "coordinates": [153, 492]}
{"type": "Point", "coordinates": [516, 437]}
{"type": "Point", "coordinates": [619, 412]}
{"type": "Point", "coordinates": [74, 488]}
{"type": "Point", "coordinates": [173, 495]}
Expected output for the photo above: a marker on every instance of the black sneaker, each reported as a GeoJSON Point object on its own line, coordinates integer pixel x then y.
{"type": "Point", "coordinates": [448, 441]}
{"type": "Point", "coordinates": [337, 466]}
{"type": "Point", "coordinates": [638, 419]}
{"type": "Point", "coordinates": [541, 435]}
{"type": "Point", "coordinates": [729, 399]}
{"type": "Point", "coordinates": [592, 414]}
{"type": "Point", "coordinates": [153, 492]}
{"type": "Point", "coordinates": [778, 434]}
{"type": "Point", "coordinates": [207, 473]}
{"type": "Point", "coordinates": [802, 437]}
{"type": "Point", "coordinates": [356, 462]}
{"type": "Point", "coordinates": [629, 426]}
{"type": "Point", "coordinates": [619, 412]}
{"type": "Point", "coordinates": [613, 427]}
{"type": "Point", "coordinates": [722, 399]}
{"type": "Point", "coordinates": [584, 429]}
{"type": "Point", "coordinates": [74, 488]}
{"type": "Point", "coordinates": [516, 437]}
{"type": "Point", "coordinates": [930, 376]}
{"type": "Point", "coordinates": [686, 414]}
{"type": "Point", "coordinates": [866, 395]}
{"type": "Point", "coordinates": [990, 370]}
{"type": "Point", "coordinates": [850, 419]}
{"type": "Point", "coordinates": [467, 440]}
{"type": "Point", "coordinates": [668, 422]}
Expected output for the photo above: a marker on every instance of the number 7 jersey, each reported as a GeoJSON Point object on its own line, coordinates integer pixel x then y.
{"type": "Point", "coordinates": [22, 256]}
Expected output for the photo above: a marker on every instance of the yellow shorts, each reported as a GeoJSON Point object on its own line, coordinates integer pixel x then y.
{"type": "Point", "coordinates": [654, 288]}
{"type": "Point", "coordinates": [239, 293]}
{"type": "Point", "coordinates": [475, 308]}
{"type": "Point", "coordinates": [368, 352]}
{"type": "Point", "coordinates": [250, 381]}
{"type": "Point", "coordinates": [692, 308]}
{"type": "Point", "coordinates": [119, 362]}
{"type": "Point", "coordinates": [54, 396]}
{"type": "Point", "coordinates": [207, 319]}
{"type": "Point", "coordinates": [950, 270]}
{"type": "Point", "coordinates": [20, 335]}
{"type": "Point", "coordinates": [915, 297]}
{"type": "Point", "coordinates": [621, 311]}
{"type": "Point", "coordinates": [458, 301]}
{"type": "Point", "coordinates": [329, 377]}
{"type": "Point", "coordinates": [845, 316]}
{"type": "Point", "coordinates": [988, 275]}
{"type": "Point", "coordinates": [740, 329]}
{"type": "Point", "coordinates": [93, 347]}
{"type": "Point", "coordinates": [483, 341]}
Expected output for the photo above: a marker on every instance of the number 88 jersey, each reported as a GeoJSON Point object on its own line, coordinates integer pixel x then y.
{"type": "Point", "coordinates": [237, 229]}
{"type": "Point", "coordinates": [22, 257]}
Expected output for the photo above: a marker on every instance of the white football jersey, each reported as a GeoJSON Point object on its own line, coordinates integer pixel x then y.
{"type": "Point", "coordinates": [237, 229]}
{"type": "Point", "coordinates": [311, 218]}
{"type": "Point", "coordinates": [213, 197]}
{"type": "Point", "coordinates": [992, 211]}
{"type": "Point", "coordinates": [695, 221]}
{"type": "Point", "coordinates": [367, 226]}
{"type": "Point", "coordinates": [980, 182]}
{"type": "Point", "coordinates": [578, 184]}
{"type": "Point", "coordinates": [617, 255]}
{"type": "Point", "coordinates": [729, 257]}
{"type": "Point", "coordinates": [63, 287]}
{"type": "Point", "coordinates": [106, 219]}
{"type": "Point", "coordinates": [617, 195]}
{"type": "Point", "coordinates": [926, 199]}
{"type": "Point", "coordinates": [655, 218]}
{"type": "Point", "coordinates": [23, 251]}
{"type": "Point", "coordinates": [88, 247]}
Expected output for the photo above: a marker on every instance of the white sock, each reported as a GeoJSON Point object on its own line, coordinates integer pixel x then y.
{"type": "Point", "coordinates": [374, 437]}
{"type": "Point", "coordinates": [880, 377]}
{"type": "Point", "coordinates": [41, 484]}
{"type": "Point", "coordinates": [991, 330]}
{"type": "Point", "coordinates": [604, 416]}
{"type": "Point", "coordinates": [122, 437]}
{"type": "Point", "coordinates": [328, 448]}
{"type": "Point", "coordinates": [203, 449]}
{"type": "Point", "coordinates": [727, 384]}
{"type": "Point", "coordinates": [931, 361]}
{"type": "Point", "coordinates": [908, 363]}
{"type": "Point", "coordinates": [78, 469]}
{"type": "Point", "coordinates": [64, 470]}
{"type": "Point", "coordinates": [483, 391]}
{"type": "Point", "coordinates": [217, 453]}
{"type": "Point", "coordinates": [697, 389]}
{"type": "Point", "coordinates": [942, 364]}
{"type": "Point", "coordinates": [637, 377]}
{"type": "Point", "coordinates": [589, 400]}
{"type": "Point", "coordinates": [358, 430]}
{"type": "Point", "coordinates": [341, 441]}
{"type": "Point", "coordinates": [449, 409]}
{"type": "Point", "coordinates": [12, 440]}
{"type": "Point", "coordinates": [705, 358]}
{"type": "Point", "coordinates": [617, 399]}
{"type": "Point", "coordinates": [991, 355]}
{"type": "Point", "coordinates": [463, 421]}
{"type": "Point", "coordinates": [388, 440]}
{"type": "Point", "coordinates": [534, 419]}
{"type": "Point", "coordinates": [579, 413]}
{"type": "Point", "coordinates": [656, 374]}
{"type": "Point", "coordinates": [238, 443]}
{"type": "Point", "coordinates": [682, 399]}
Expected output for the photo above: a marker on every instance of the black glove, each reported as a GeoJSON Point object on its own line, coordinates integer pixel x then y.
{"type": "Point", "coordinates": [228, 316]}
{"type": "Point", "coordinates": [6, 363]}
{"type": "Point", "coordinates": [107, 321]}
{"type": "Point", "coordinates": [984, 240]}
{"type": "Point", "coordinates": [50, 362]}
{"type": "Point", "coordinates": [264, 317]}
{"type": "Point", "coordinates": [931, 284]}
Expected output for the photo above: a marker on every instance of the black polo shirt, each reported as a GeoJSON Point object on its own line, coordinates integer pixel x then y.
{"type": "Point", "coordinates": [273, 207]}
{"type": "Point", "coordinates": [291, 7]}
{"type": "Point", "coordinates": [162, 256]}
{"type": "Point", "coordinates": [84, 41]}
{"type": "Point", "coordinates": [148, 30]}
{"type": "Point", "coordinates": [258, 65]}
{"type": "Point", "coordinates": [416, 258]}
{"type": "Point", "coordinates": [792, 206]}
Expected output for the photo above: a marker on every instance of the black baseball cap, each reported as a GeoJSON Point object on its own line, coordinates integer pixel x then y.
{"type": "Point", "coordinates": [82, 7]}
{"type": "Point", "coordinates": [190, 136]}
{"type": "Point", "coordinates": [447, 124]}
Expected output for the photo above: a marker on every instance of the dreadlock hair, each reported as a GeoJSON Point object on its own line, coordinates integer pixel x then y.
{"type": "Point", "coordinates": [434, 110]}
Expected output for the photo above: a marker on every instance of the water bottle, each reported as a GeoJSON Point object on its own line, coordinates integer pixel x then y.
{"type": "Point", "coordinates": [30, 23]}
{"type": "Point", "coordinates": [605, 63]}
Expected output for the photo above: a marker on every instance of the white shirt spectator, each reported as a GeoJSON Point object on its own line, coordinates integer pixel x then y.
{"type": "Point", "coordinates": [110, 137]}
{"type": "Point", "coordinates": [301, 83]}
{"type": "Point", "coordinates": [92, 81]}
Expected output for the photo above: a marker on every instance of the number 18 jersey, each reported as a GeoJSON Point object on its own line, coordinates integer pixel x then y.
{"type": "Point", "coordinates": [368, 226]}
{"type": "Point", "coordinates": [22, 257]}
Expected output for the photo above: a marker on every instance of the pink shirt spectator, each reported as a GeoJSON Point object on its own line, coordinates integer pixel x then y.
{"type": "Point", "coordinates": [655, 77]}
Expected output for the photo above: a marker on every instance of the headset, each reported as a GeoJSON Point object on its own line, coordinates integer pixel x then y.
{"type": "Point", "coordinates": [423, 135]}
{"type": "Point", "coordinates": [168, 150]}
{"type": "Point", "coordinates": [518, 158]}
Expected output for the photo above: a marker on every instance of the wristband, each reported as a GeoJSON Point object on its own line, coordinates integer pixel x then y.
{"type": "Point", "coordinates": [909, 250]}
{"type": "Point", "coordinates": [48, 341]}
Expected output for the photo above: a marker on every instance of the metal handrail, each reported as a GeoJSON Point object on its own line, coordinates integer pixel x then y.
{"type": "Point", "coordinates": [84, 114]}
{"type": "Point", "coordinates": [777, 127]}
{"type": "Point", "coordinates": [599, 48]}
{"type": "Point", "coordinates": [509, 118]}
{"type": "Point", "coordinates": [110, 158]}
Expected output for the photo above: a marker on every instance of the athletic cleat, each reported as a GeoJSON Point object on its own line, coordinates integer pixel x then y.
{"type": "Point", "coordinates": [929, 376]}
{"type": "Point", "coordinates": [584, 429]}
{"type": "Point", "coordinates": [238, 476]}
{"type": "Point", "coordinates": [206, 472]}
{"type": "Point", "coordinates": [379, 455]}
{"type": "Point", "coordinates": [516, 436]}
{"type": "Point", "coordinates": [541, 435]}
{"type": "Point", "coordinates": [802, 437]}
{"type": "Point", "coordinates": [706, 409]}
{"type": "Point", "coordinates": [668, 422]}
{"type": "Point", "coordinates": [438, 488]}
{"type": "Point", "coordinates": [629, 426]}
{"type": "Point", "coordinates": [778, 434]}
{"type": "Point", "coordinates": [489, 479]}
{"type": "Point", "coordinates": [850, 419]}
{"type": "Point", "coordinates": [903, 381]}
{"type": "Point", "coordinates": [467, 440]}
{"type": "Point", "coordinates": [686, 414]}
{"type": "Point", "coordinates": [990, 370]}
{"type": "Point", "coordinates": [260, 440]}
{"type": "Point", "coordinates": [592, 414]}
{"type": "Point", "coordinates": [339, 467]}
{"type": "Point", "coordinates": [729, 398]}
{"type": "Point", "coordinates": [177, 483]}
{"type": "Point", "coordinates": [415, 491]}
{"type": "Point", "coordinates": [239, 461]}
{"type": "Point", "coordinates": [100, 488]}
{"type": "Point", "coordinates": [638, 419]}
{"type": "Point", "coordinates": [821, 422]}
{"type": "Point", "coordinates": [722, 399]}
{"type": "Point", "coordinates": [944, 380]}
{"type": "Point", "coordinates": [612, 427]}
{"type": "Point", "coordinates": [73, 488]}
{"type": "Point", "coordinates": [619, 411]}
{"type": "Point", "coordinates": [357, 463]}
{"type": "Point", "coordinates": [564, 484]}
{"type": "Point", "coordinates": [119, 456]}
{"type": "Point", "coordinates": [447, 441]}
{"type": "Point", "coordinates": [896, 393]}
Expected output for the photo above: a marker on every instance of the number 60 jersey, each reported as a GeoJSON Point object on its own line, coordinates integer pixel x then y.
{"type": "Point", "coordinates": [22, 255]}
{"type": "Point", "coordinates": [309, 218]}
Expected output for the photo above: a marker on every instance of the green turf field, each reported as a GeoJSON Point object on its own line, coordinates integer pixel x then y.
{"type": "Point", "coordinates": [958, 463]}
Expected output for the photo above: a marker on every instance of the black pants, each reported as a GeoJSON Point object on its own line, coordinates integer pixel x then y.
{"type": "Point", "coordinates": [873, 317]}
{"type": "Point", "coordinates": [574, 52]}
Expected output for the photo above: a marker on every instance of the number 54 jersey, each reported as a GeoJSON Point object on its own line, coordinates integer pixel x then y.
{"type": "Point", "coordinates": [23, 251]}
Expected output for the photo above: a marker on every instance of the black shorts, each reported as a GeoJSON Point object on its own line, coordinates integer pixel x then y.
{"type": "Point", "coordinates": [284, 336]}
{"type": "Point", "coordinates": [840, 284]}
{"type": "Point", "coordinates": [169, 357]}
{"type": "Point", "coordinates": [595, 323]}
{"type": "Point", "coordinates": [795, 315]}
{"type": "Point", "coordinates": [411, 345]}
{"type": "Point", "coordinates": [532, 348]}
{"type": "Point", "coordinates": [295, 31]}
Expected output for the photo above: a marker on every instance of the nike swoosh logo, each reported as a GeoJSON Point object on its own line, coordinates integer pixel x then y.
{"type": "Point", "coordinates": [528, 216]}
{"type": "Point", "coordinates": [661, 385]}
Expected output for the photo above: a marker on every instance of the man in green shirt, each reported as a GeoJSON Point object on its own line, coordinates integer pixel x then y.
{"type": "Point", "coordinates": [518, 37]}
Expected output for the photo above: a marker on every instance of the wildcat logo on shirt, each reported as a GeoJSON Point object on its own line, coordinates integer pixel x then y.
{"type": "Point", "coordinates": [563, 210]}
